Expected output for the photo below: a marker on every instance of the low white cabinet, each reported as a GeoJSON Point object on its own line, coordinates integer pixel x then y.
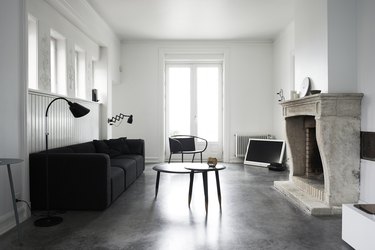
{"type": "Point", "coordinates": [358, 228]}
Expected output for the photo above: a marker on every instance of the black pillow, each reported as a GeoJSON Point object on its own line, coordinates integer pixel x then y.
{"type": "Point", "coordinates": [118, 145]}
{"type": "Point", "coordinates": [101, 147]}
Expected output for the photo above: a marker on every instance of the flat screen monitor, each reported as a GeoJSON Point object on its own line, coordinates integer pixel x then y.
{"type": "Point", "coordinates": [262, 152]}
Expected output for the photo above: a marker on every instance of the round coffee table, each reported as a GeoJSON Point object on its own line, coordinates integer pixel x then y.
{"type": "Point", "coordinates": [171, 168]}
{"type": "Point", "coordinates": [204, 169]}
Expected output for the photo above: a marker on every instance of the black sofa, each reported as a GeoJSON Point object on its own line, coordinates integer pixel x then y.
{"type": "Point", "coordinates": [85, 176]}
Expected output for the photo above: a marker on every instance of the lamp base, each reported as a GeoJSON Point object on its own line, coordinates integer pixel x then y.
{"type": "Point", "coordinates": [48, 221]}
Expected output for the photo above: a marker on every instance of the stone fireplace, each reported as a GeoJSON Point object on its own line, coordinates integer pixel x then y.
{"type": "Point", "coordinates": [323, 138]}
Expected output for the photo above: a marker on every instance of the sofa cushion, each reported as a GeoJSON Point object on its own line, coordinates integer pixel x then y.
{"type": "Point", "coordinates": [87, 147]}
{"type": "Point", "coordinates": [137, 158]}
{"type": "Point", "coordinates": [117, 182]}
{"type": "Point", "coordinates": [102, 147]}
{"type": "Point", "coordinates": [130, 168]}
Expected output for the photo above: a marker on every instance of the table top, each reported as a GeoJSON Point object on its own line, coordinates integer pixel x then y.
{"type": "Point", "coordinates": [174, 168]}
{"type": "Point", "coordinates": [7, 161]}
{"type": "Point", "coordinates": [203, 167]}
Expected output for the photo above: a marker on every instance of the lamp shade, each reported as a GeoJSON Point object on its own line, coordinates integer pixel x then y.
{"type": "Point", "coordinates": [77, 109]}
{"type": "Point", "coordinates": [130, 119]}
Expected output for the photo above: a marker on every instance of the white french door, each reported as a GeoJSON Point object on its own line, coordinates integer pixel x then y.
{"type": "Point", "coordinates": [194, 103]}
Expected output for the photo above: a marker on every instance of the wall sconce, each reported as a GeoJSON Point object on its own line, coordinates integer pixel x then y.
{"type": "Point", "coordinates": [119, 117]}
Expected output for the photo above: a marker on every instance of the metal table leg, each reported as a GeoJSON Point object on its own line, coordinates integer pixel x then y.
{"type": "Point", "coordinates": [218, 187]}
{"type": "Point", "coordinates": [14, 201]}
{"type": "Point", "coordinates": [191, 187]}
{"type": "Point", "coordinates": [157, 184]}
{"type": "Point", "coordinates": [205, 187]}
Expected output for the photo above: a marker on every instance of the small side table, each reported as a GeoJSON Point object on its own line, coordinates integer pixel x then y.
{"type": "Point", "coordinates": [8, 162]}
{"type": "Point", "coordinates": [204, 168]}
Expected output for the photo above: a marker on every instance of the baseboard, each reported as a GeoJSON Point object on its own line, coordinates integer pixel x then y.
{"type": "Point", "coordinates": [8, 221]}
{"type": "Point", "coordinates": [235, 160]}
{"type": "Point", "coordinates": [153, 160]}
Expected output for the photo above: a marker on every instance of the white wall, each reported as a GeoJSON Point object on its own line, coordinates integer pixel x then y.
{"type": "Point", "coordinates": [325, 48]}
{"type": "Point", "coordinates": [311, 43]}
{"type": "Point", "coordinates": [283, 61]}
{"type": "Point", "coordinates": [342, 46]}
{"type": "Point", "coordinates": [283, 75]}
{"type": "Point", "coordinates": [12, 108]}
{"type": "Point", "coordinates": [248, 91]}
{"type": "Point", "coordinates": [366, 76]}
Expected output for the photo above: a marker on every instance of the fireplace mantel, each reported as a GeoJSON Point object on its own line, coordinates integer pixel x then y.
{"type": "Point", "coordinates": [348, 104]}
{"type": "Point", "coordinates": [337, 119]}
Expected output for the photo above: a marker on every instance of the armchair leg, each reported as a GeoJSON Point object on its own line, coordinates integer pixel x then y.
{"type": "Point", "coordinates": [201, 157]}
{"type": "Point", "coordinates": [170, 155]}
{"type": "Point", "coordinates": [182, 157]}
{"type": "Point", "coordinates": [193, 158]}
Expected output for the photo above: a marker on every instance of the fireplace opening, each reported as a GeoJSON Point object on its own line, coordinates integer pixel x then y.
{"type": "Point", "coordinates": [313, 162]}
{"type": "Point", "coordinates": [309, 174]}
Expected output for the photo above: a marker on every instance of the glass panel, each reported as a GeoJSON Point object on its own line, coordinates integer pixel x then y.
{"type": "Point", "coordinates": [76, 73]}
{"type": "Point", "coordinates": [179, 100]}
{"type": "Point", "coordinates": [61, 67]}
{"type": "Point", "coordinates": [208, 103]}
{"type": "Point", "coordinates": [53, 65]}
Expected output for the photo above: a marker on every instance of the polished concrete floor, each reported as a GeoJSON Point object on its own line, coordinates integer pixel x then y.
{"type": "Point", "coordinates": [253, 216]}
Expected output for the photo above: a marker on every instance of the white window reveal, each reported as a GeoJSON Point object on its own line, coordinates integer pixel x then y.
{"type": "Point", "coordinates": [80, 73]}
{"type": "Point", "coordinates": [58, 63]}
{"type": "Point", "coordinates": [32, 43]}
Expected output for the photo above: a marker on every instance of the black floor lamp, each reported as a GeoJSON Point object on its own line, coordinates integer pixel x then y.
{"type": "Point", "coordinates": [77, 111]}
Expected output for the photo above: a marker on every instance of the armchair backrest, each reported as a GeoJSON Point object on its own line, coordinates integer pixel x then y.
{"type": "Point", "coordinates": [181, 143]}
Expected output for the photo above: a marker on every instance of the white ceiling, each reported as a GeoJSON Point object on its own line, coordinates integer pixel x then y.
{"type": "Point", "coordinates": [196, 19]}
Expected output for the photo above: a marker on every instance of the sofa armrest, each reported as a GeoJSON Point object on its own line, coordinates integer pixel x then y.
{"type": "Point", "coordinates": [75, 181]}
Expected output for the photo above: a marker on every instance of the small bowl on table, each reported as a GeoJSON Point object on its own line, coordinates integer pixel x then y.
{"type": "Point", "coordinates": [211, 162]}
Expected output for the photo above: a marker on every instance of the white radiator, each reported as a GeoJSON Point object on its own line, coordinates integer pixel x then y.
{"type": "Point", "coordinates": [242, 141]}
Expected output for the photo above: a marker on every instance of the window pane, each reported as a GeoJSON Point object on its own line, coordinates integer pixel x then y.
{"type": "Point", "coordinates": [179, 100]}
{"type": "Point", "coordinates": [208, 102]}
{"type": "Point", "coordinates": [53, 65]}
{"type": "Point", "coordinates": [61, 67]}
{"type": "Point", "coordinates": [76, 73]}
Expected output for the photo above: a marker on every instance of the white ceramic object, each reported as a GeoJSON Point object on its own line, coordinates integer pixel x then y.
{"type": "Point", "coordinates": [305, 87]}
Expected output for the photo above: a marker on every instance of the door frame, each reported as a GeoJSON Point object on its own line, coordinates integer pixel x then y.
{"type": "Point", "coordinates": [194, 65]}
{"type": "Point", "coordinates": [191, 52]}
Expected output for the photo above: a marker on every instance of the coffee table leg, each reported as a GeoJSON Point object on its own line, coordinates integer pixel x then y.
{"type": "Point", "coordinates": [157, 184]}
{"type": "Point", "coordinates": [205, 187]}
{"type": "Point", "coordinates": [191, 187]}
{"type": "Point", "coordinates": [218, 186]}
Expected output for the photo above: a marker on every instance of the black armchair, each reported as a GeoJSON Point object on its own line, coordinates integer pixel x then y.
{"type": "Point", "coordinates": [186, 144]}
